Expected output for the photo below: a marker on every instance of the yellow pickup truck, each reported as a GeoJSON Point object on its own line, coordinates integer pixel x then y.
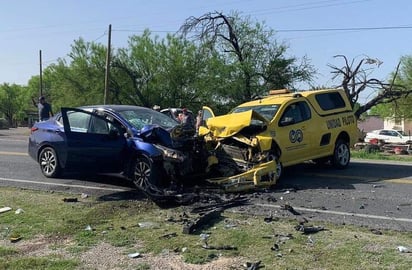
{"type": "Point", "coordinates": [287, 127]}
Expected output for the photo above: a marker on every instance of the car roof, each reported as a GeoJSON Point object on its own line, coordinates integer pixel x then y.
{"type": "Point", "coordinates": [283, 95]}
{"type": "Point", "coordinates": [114, 107]}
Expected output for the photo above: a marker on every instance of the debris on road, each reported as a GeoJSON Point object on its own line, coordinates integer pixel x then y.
{"type": "Point", "coordinates": [309, 229]}
{"type": "Point", "coordinates": [253, 266]}
{"type": "Point", "coordinates": [222, 204]}
{"type": "Point", "coordinates": [376, 231]}
{"type": "Point", "coordinates": [15, 239]}
{"type": "Point", "coordinates": [224, 247]}
{"type": "Point", "coordinates": [403, 249]}
{"type": "Point", "coordinates": [5, 209]}
{"type": "Point", "coordinates": [134, 255]}
{"type": "Point", "coordinates": [290, 209]}
{"type": "Point", "coordinates": [167, 236]}
{"type": "Point", "coordinates": [204, 219]}
{"type": "Point", "coordinates": [70, 200]}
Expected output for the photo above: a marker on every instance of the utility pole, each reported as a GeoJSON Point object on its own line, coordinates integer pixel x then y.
{"type": "Point", "coordinates": [107, 74]}
{"type": "Point", "coordinates": [41, 76]}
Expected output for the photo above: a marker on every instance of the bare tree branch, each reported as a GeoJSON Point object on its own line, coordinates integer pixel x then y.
{"type": "Point", "coordinates": [355, 81]}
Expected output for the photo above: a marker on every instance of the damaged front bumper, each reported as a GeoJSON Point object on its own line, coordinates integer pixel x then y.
{"type": "Point", "coordinates": [261, 175]}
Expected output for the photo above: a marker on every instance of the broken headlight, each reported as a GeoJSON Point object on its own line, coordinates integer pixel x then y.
{"type": "Point", "coordinates": [171, 154]}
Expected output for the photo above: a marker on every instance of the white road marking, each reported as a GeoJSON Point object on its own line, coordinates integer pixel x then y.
{"type": "Point", "coordinates": [13, 140]}
{"type": "Point", "coordinates": [13, 153]}
{"type": "Point", "coordinates": [61, 185]}
{"type": "Point", "coordinates": [339, 213]}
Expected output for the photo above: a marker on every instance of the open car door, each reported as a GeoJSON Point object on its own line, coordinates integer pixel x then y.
{"type": "Point", "coordinates": [93, 142]}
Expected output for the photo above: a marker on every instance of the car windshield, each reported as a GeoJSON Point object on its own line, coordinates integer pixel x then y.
{"type": "Point", "coordinates": [267, 111]}
{"type": "Point", "coordinates": [140, 117]}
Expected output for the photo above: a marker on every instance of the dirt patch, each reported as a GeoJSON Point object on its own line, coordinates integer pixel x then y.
{"type": "Point", "coordinates": [107, 257]}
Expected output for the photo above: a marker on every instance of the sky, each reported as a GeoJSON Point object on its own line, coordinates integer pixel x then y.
{"type": "Point", "coordinates": [317, 29]}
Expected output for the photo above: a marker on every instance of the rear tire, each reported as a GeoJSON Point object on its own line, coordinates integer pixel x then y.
{"type": "Point", "coordinates": [49, 163]}
{"type": "Point", "coordinates": [341, 155]}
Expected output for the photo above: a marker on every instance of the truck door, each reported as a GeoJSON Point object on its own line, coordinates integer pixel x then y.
{"type": "Point", "coordinates": [295, 133]}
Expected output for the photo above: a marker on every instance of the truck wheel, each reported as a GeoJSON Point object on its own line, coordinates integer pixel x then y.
{"type": "Point", "coordinates": [279, 168]}
{"type": "Point", "coordinates": [341, 155]}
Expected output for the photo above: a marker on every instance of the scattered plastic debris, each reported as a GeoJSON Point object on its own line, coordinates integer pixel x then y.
{"type": "Point", "coordinates": [147, 224]}
{"type": "Point", "coordinates": [253, 266]}
{"type": "Point", "coordinates": [88, 228]}
{"type": "Point", "coordinates": [376, 231]}
{"type": "Point", "coordinates": [134, 255]}
{"type": "Point", "coordinates": [309, 229]}
{"type": "Point", "coordinates": [224, 247]}
{"type": "Point", "coordinates": [204, 237]}
{"type": "Point", "coordinates": [275, 247]}
{"type": "Point", "coordinates": [70, 200]}
{"type": "Point", "coordinates": [15, 239]}
{"type": "Point", "coordinates": [230, 226]}
{"type": "Point", "coordinates": [19, 211]}
{"type": "Point", "coordinates": [403, 249]}
{"type": "Point", "coordinates": [5, 209]}
{"type": "Point", "coordinates": [169, 235]}
{"type": "Point", "coordinates": [290, 209]}
{"type": "Point", "coordinates": [84, 196]}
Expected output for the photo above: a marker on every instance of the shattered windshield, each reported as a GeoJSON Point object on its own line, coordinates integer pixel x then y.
{"type": "Point", "coordinates": [141, 117]}
{"type": "Point", "coordinates": [267, 111]}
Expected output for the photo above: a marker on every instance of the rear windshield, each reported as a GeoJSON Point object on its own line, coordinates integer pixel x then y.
{"type": "Point", "coordinates": [330, 101]}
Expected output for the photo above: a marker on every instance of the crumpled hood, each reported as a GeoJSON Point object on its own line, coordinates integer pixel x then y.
{"type": "Point", "coordinates": [230, 124]}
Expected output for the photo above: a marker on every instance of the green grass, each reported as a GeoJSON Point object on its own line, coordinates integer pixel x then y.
{"type": "Point", "coordinates": [120, 224]}
{"type": "Point", "coordinates": [361, 154]}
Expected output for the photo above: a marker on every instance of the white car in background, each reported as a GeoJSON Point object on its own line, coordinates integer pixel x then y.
{"type": "Point", "coordinates": [388, 136]}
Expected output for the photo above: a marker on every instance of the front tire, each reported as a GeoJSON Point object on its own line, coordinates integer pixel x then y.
{"type": "Point", "coordinates": [275, 175]}
{"type": "Point", "coordinates": [145, 176]}
{"type": "Point", "coordinates": [341, 155]}
{"type": "Point", "coordinates": [49, 163]}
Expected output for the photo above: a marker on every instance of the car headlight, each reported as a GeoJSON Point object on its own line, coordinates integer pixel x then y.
{"type": "Point", "coordinates": [171, 154]}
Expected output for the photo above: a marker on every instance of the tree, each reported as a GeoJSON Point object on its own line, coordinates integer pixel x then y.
{"type": "Point", "coordinates": [257, 62]}
{"type": "Point", "coordinates": [171, 72]}
{"type": "Point", "coordinates": [11, 102]}
{"type": "Point", "coordinates": [79, 81]}
{"type": "Point", "coordinates": [355, 79]}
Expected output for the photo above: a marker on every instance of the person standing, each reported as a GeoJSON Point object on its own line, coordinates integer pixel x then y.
{"type": "Point", "coordinates": [45, 109]}
{"type": "Point", "coordinates": [188, 121]}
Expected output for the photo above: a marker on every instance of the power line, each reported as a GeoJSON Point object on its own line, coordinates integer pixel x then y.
{"type": "Point", "coordinates": [294, 30]}
{"type": "Point", "coordinates": [346, 29]}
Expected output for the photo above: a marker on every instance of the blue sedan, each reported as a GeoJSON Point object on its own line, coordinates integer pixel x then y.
{"type": "Point", "coordinates": [146, 146]}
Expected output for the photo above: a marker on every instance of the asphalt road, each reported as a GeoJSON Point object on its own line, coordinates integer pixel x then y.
{"type": "Point", "coordinates": [369, 193]}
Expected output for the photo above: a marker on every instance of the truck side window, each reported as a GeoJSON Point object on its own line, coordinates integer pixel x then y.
{"type": "Point", "coordinates": [295, 113]}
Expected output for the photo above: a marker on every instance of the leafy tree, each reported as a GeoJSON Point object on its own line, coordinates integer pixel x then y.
{"type": "Point", "coordinates": [79, 81]}
{"type": "Point", "coordinates": [402, 107]}
{"type": "Point", "coordinates": [257, 61]}
{"type": "Point", "coordinates": [11, 102]}
{"type": "Point", "coordinates": [171, 72]}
